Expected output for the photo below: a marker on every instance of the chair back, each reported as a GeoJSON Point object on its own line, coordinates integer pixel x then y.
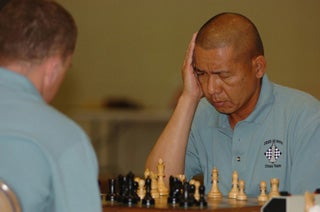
{"type": "Point", "coordinates": [8, 200]}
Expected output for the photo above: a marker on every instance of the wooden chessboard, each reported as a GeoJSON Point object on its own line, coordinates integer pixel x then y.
{"type": "Point", "coordinates": [224, 204]}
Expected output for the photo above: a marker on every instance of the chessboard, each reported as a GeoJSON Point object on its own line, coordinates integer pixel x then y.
{"type": "Point", "coordinates": [131, 193]}
{"type": "Point", "coordinates": [161, 204]}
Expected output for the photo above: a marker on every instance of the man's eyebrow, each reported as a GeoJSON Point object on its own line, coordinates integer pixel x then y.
{"type": "Point", "coordinates": [211, 72]}
{"type": "Point", "coordinates": [197, 69]}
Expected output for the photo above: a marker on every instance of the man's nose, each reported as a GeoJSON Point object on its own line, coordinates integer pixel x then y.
{"type": "Point", "coordinates": [214, 84]}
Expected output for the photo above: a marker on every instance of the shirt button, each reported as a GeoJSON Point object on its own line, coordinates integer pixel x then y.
{"type": "Point", "coordinates": [238, 159]}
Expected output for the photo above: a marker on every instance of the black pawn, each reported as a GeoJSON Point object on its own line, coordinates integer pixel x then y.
{"type": "Point", "coordinates": [112, 195]}
{"type": "Point", "coordinates": [192, 190]}
{"type": "Point", "coordinates": [202, 200]}
{"type": "Point", "coordinates": [284, 193]}
{"type": "Point", "coordinates": [130, 197]}
{"type": "Point", "coordinates": [185, 200]}
{"type": "Point", "coordinates": [175, 187]}
{"type": "Point", "coordinates": [148, 199]}
{"type": "Point", "coordinates": [122, 182]}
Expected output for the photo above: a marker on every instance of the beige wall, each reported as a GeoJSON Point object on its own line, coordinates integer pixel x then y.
{"type": "Point", "coordinates": [134, 48]}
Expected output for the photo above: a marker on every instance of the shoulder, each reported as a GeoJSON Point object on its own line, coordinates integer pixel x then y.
{"type": "Point", "coordinates": [294, 99]}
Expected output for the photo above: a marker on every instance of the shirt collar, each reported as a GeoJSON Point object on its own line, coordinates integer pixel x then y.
{"type": "Point", "coordinates": [17, 82]}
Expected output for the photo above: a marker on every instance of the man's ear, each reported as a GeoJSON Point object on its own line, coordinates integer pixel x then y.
{"type": "Point", "coordinates": [259, 65]}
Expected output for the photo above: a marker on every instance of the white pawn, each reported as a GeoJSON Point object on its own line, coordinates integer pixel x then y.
{"type": "Point", "coordinates": [197, 186]}
{"type": "Point", "coordinates": [234, 190]}
{"type": "Point", "coordinates": [263, 197]}
{"type": "Point", "coordinates": [241, 195]}
{"type": "Point", "coordinates": [274, 190]}
{"type": "Point", "coordinates": [197, 192]}
{"type": "Point", "coordinates": [154, 185]}
{"type": "Point", "coordinates": [214, 192]}
{"type": "Point", "coordinates": [141, 190]}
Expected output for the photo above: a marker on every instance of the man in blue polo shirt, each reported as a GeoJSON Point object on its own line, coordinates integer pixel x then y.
{"type": "Point", "coordinates": [244, 123]}
{"type": "Point", "coordinates": [45, 157]}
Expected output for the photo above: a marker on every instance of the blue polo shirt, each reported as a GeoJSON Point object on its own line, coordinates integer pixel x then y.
{"type": "Point", "coordinates": [44, 156]}
{"type": "Point", "coordinates": [279, 139]}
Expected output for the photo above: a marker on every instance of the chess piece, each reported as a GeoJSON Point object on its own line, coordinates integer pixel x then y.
{"type": "Point", "coordinates": [192, 190]}
{"type": "Point", "coordinates": [202, 201]}
{"type": "Point", "coordinates": [122, 181]}
{"type": "Point", "coordinates": [242, 195]}
{"type": "Point", "coordinates": [274, 188]}
{"type": "Point", "coordinates": [197, 185]}
{"type": "Point", "coordinates": [214, 192]}
{"type": "Point", "coordinates": [141, 190]}
{"type": "Point", "coordinates": [148, 200]}
{"type": "Point", "coordinates": [234, 190]}
{"type": "Point", "coordinates": [130, 197]}
{"type": "Point", "coordinates": [181, 177]}
{"type": "Point", "coordinates": [154, 185]}
{"type": "Point", "coordinates": [163, 190]}
{"type": "Point", "coordinates": [146, 173]}
{"type": "Point", "coordinates": [185, 200]}
{"type": "Point", "coordinates": [112, 195]}
{"type": "Point", "coordinates": [263, 197]}
{"type": "Point", "coordinates": [175, 190]}
{"type": "Point", "coordinates": [309, 201]}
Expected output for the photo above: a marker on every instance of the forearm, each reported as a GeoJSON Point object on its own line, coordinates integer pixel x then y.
{"type": "Point", "coordinates": [172, 143]}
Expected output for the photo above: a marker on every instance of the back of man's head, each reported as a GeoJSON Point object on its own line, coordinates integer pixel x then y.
{"type": "Point", "coordinates": [33, 30]}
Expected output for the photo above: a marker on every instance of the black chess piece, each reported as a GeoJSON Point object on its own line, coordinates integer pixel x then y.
{"type": "Point", "coordinates": [135, 189]}
{"type": "Point", "coordinates": [130, 197]}
{"type": "Point", "coordinates": [122, 182]}
{"type": "Point", "coordinates": [202, 200]}
{"type": "Point", "coordinates": [148, 200]}
{"type": "Point", "coordinates": [284, 193]}
{"type": "Point", "coordinates": [111, 194]}
{"type": "Point", "coordinates": [192, 199]}
{"type": "Point", "coordinates": [185, 200]}
{"type": "Point", "coordinates": [175, 187]}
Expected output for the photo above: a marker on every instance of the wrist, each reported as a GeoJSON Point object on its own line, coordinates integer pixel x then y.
{"type": "Point", "coordinates": [190, 100]}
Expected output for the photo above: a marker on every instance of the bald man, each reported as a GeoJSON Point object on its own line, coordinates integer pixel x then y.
{"type": "Point", "coordinates": [232, 117]}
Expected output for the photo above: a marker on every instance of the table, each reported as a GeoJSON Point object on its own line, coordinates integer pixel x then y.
{"type": "Point", "coordinates": [224, 204]}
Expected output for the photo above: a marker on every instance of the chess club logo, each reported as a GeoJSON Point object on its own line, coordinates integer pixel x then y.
{"type": "Point", "coordinates": [273, 153]}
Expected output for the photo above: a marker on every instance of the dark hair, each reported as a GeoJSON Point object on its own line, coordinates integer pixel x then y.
{"type": "Point", "coordinates": [230, 29]}
{"type": "Point", "coordinates": [32, 30]}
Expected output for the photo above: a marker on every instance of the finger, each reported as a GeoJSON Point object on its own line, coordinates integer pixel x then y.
{"type": "Point", "coordinates": [189, 53]}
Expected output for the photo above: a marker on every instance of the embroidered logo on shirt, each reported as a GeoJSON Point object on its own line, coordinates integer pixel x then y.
{"type": "Point", "coordinates": [273, 153]}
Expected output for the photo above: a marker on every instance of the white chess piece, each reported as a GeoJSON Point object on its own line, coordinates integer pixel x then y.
{"type": "Point", "coordinates": [154, 185]}
{"type": "Point", "coordinates": [141, 189]}
{"type": "Point", "coordinates": [196, 184]}
{"type": "Point", "coordinates": [214, 192]}
{"type": "Point", "coordinates": [263, 197]}
{"type": "Point", "coordinates": [242, 195]}
{"type": "Point", "coordinates": [274, 190]}
{"type": "Point", "coordinates": [163, 190]}
{"type": "Point", "coordinates": [234, 190]}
